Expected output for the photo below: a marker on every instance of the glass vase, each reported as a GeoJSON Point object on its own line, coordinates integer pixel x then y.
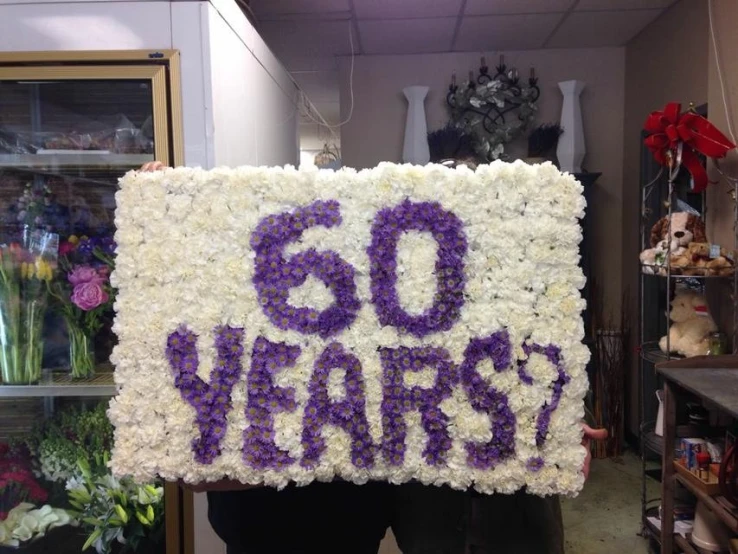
{"type": "Point", "coordinates": [81, 352]}
{"type": "Point", "coordinates": [26, 268]}
{"type": "Point", "coordinates": [21, 340]}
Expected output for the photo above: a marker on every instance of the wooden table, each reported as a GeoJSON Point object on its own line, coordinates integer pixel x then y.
{"type": "Point", "coordinates": [714, 380]}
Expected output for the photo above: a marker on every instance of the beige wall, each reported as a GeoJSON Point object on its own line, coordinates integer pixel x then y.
{"type": "Point", "coordinates": [375, 131]}
{"type": "Point", "coordinates": [666, 62]}
{"type": "Point", "coordinates": [720, 214]}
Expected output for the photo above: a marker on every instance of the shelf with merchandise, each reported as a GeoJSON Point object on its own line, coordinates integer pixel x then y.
{"type": "Point", "coordinates": [676, 255]}
{"type": "Point", "coordinates": [651, 352]}
{"type": "Point", "coordinates": [56, 384]}
{"type": "Point", "coordinates": [700, 273]}
{"type": "Point", "coordinates": [72, 159]}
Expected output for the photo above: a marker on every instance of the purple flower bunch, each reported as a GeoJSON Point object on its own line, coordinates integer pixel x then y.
{"type": "Point", "coordinates": [264, 400]}
{"type": "Point", "coordinates": [447, 230]}
{"type": "Point", "coordinates": [487, 399]}
{"type": "Point", "coordinates": [88, 245]}
{"type": "Point", "coordinates": [212, 401]}
{"type": "Point", "coordinates": [553, 354]}
{"type": "Point", "coordinates": [398, 400]}
{"type": "Point", "coordinates": [348, 414]}
{"type": "Point", "coordinates": [274, 276]}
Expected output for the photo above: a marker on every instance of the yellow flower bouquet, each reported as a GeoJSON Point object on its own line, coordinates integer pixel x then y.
{"type": "Point", "coordinates": [25, 270]}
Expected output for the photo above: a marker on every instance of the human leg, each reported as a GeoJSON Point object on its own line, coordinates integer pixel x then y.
{"type": "Point", "coordinates": [515, 524]}
{"type": "Point", "coordinates": [325, 518]}
{"type": "Point", "coordinates": [429, 519]}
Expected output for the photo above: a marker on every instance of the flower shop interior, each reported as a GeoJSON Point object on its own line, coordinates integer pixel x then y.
{"type": "Point", "coordinates": [636, 98]}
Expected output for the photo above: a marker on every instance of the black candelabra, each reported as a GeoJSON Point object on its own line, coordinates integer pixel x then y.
{"type": "Point", "coordinates": [492, 114]}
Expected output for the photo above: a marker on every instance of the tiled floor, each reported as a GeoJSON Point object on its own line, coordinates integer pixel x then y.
{"type": "Point", "coordinates": [605, 517]}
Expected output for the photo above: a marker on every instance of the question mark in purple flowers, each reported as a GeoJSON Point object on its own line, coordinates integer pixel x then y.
{"type": "Point", "coordinates": [553, 354]}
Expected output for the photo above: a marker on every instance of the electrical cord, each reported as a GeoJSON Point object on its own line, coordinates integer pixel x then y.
{"type": "Point", "coordinates": [728, 117]}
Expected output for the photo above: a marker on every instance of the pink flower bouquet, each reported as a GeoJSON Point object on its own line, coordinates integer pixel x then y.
{"type": "Point", "coordinates": [84, 298]}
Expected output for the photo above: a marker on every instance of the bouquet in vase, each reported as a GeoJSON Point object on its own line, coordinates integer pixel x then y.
{"type": "Point", "coordinates": [84, 296]}
{"type": "Point", "coordinates": [26, 269]}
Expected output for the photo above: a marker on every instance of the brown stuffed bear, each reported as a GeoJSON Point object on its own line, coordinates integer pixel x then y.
{"type": "Point", "coordinates": [697, 260]}
{"type": "Point", "coordinates": [702, 263]}
{"type": "Point", "coordinates": [685, 228]}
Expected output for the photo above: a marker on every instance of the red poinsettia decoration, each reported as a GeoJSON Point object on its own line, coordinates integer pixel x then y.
{"type": "Point", "coordinates": [670, 129]}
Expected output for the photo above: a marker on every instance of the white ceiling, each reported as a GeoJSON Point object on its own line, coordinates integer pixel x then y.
{"type": "Point", "coordinates": [308, 35]}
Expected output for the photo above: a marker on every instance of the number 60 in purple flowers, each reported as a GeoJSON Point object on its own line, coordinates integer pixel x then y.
{"type": "Point", "coordinates": [275, 275]}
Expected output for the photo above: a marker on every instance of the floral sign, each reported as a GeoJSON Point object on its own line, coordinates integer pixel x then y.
{"type": "Point", "coordinates": [399, 323]}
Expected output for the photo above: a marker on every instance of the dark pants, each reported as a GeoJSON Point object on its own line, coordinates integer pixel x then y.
{"type": "Point", "coordinates": [439, 520]}
{"type": "Point", "coordinates": [321, 518]}
{"type": "Point", "coordinates": [340, 518]}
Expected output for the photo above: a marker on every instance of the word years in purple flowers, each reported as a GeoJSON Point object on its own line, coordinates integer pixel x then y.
{"type": "Point", "coordinates": [265, 399]}
{"type": "Point", "coordinates": [276, 274]}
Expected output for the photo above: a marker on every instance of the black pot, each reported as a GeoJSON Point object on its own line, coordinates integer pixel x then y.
{"type": "Point", "coordinates": [146, 546]}
{"type": "Point", "coordinates": [70, 540]}
{"type": "Point", "coordinates": [62, 540]}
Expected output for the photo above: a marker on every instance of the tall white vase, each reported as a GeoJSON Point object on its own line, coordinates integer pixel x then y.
{"type": "Point", "coordinates": [571, 148]}
{"type": "Point", "coordinates": [415, 149]}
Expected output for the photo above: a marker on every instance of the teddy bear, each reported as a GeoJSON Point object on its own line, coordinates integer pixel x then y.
{"type": "Point", "coordinates": [691, 325]}
{"type": "Point", "coordinates": [717, 261]}
{"type": "Point", "coordinates": [683, 229]}
{"type": "Point", "coordinates": [702, 258]}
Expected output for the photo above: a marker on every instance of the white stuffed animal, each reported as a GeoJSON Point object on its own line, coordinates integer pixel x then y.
{"type": "Point", "coordinates": [691, 325]}
{"type": "Point", "coordinates": [653, 259]}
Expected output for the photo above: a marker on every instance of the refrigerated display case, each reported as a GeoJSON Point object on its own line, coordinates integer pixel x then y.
{"type": "Point", "coordinates": [71, 124]}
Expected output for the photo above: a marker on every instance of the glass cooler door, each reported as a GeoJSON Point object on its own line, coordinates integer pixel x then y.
{"type": "Point", "coordinates": [67, 134]}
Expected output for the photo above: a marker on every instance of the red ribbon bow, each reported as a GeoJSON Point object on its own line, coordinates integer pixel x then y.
{"type": "Point", "coordinates": [670, 127]}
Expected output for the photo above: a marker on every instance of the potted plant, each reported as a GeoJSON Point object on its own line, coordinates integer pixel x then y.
{"type": "Point", "coordinates": [71, 452]}
{"type": "Point", "coordinates": [120, 516]}
{"type": "Point", "coordinates": [74, 432]}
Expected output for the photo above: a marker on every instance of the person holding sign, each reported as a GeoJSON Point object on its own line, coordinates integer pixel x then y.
{"type": "Point", "coordinates": [341, 517]}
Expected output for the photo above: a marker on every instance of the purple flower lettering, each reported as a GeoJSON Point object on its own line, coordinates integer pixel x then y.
{"type": "Point", "coordinates": [349, 414]}
{"type": "Point", "coordinates": [264, 400]}
{"type": "Point", "coordinates": [212, 401]}
{"type": "Point", "coordinates": [553, 353]}
{"type": "Point", "coordinates": [487, 399]}
{"type": "Point", "coordinates": [398, 400]}
{"type": "Point", "coordinates": [446, 228]}
{"type": "Point", "coordinates": [274, 276]}
{"type": "Point", "coordinates": [534, 464]}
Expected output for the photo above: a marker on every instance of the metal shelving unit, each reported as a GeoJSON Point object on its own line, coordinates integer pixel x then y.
{"type": "Point", "coordinates": [660, 191]}
{"type": "Point", "coordinates": [60, 384]}
{"type": "Point", "coordinates": [713, 384]}
{"type": "Point", "coordinates": [75, 160]}
{"type": "Point", "coordinates": [651, 352]}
